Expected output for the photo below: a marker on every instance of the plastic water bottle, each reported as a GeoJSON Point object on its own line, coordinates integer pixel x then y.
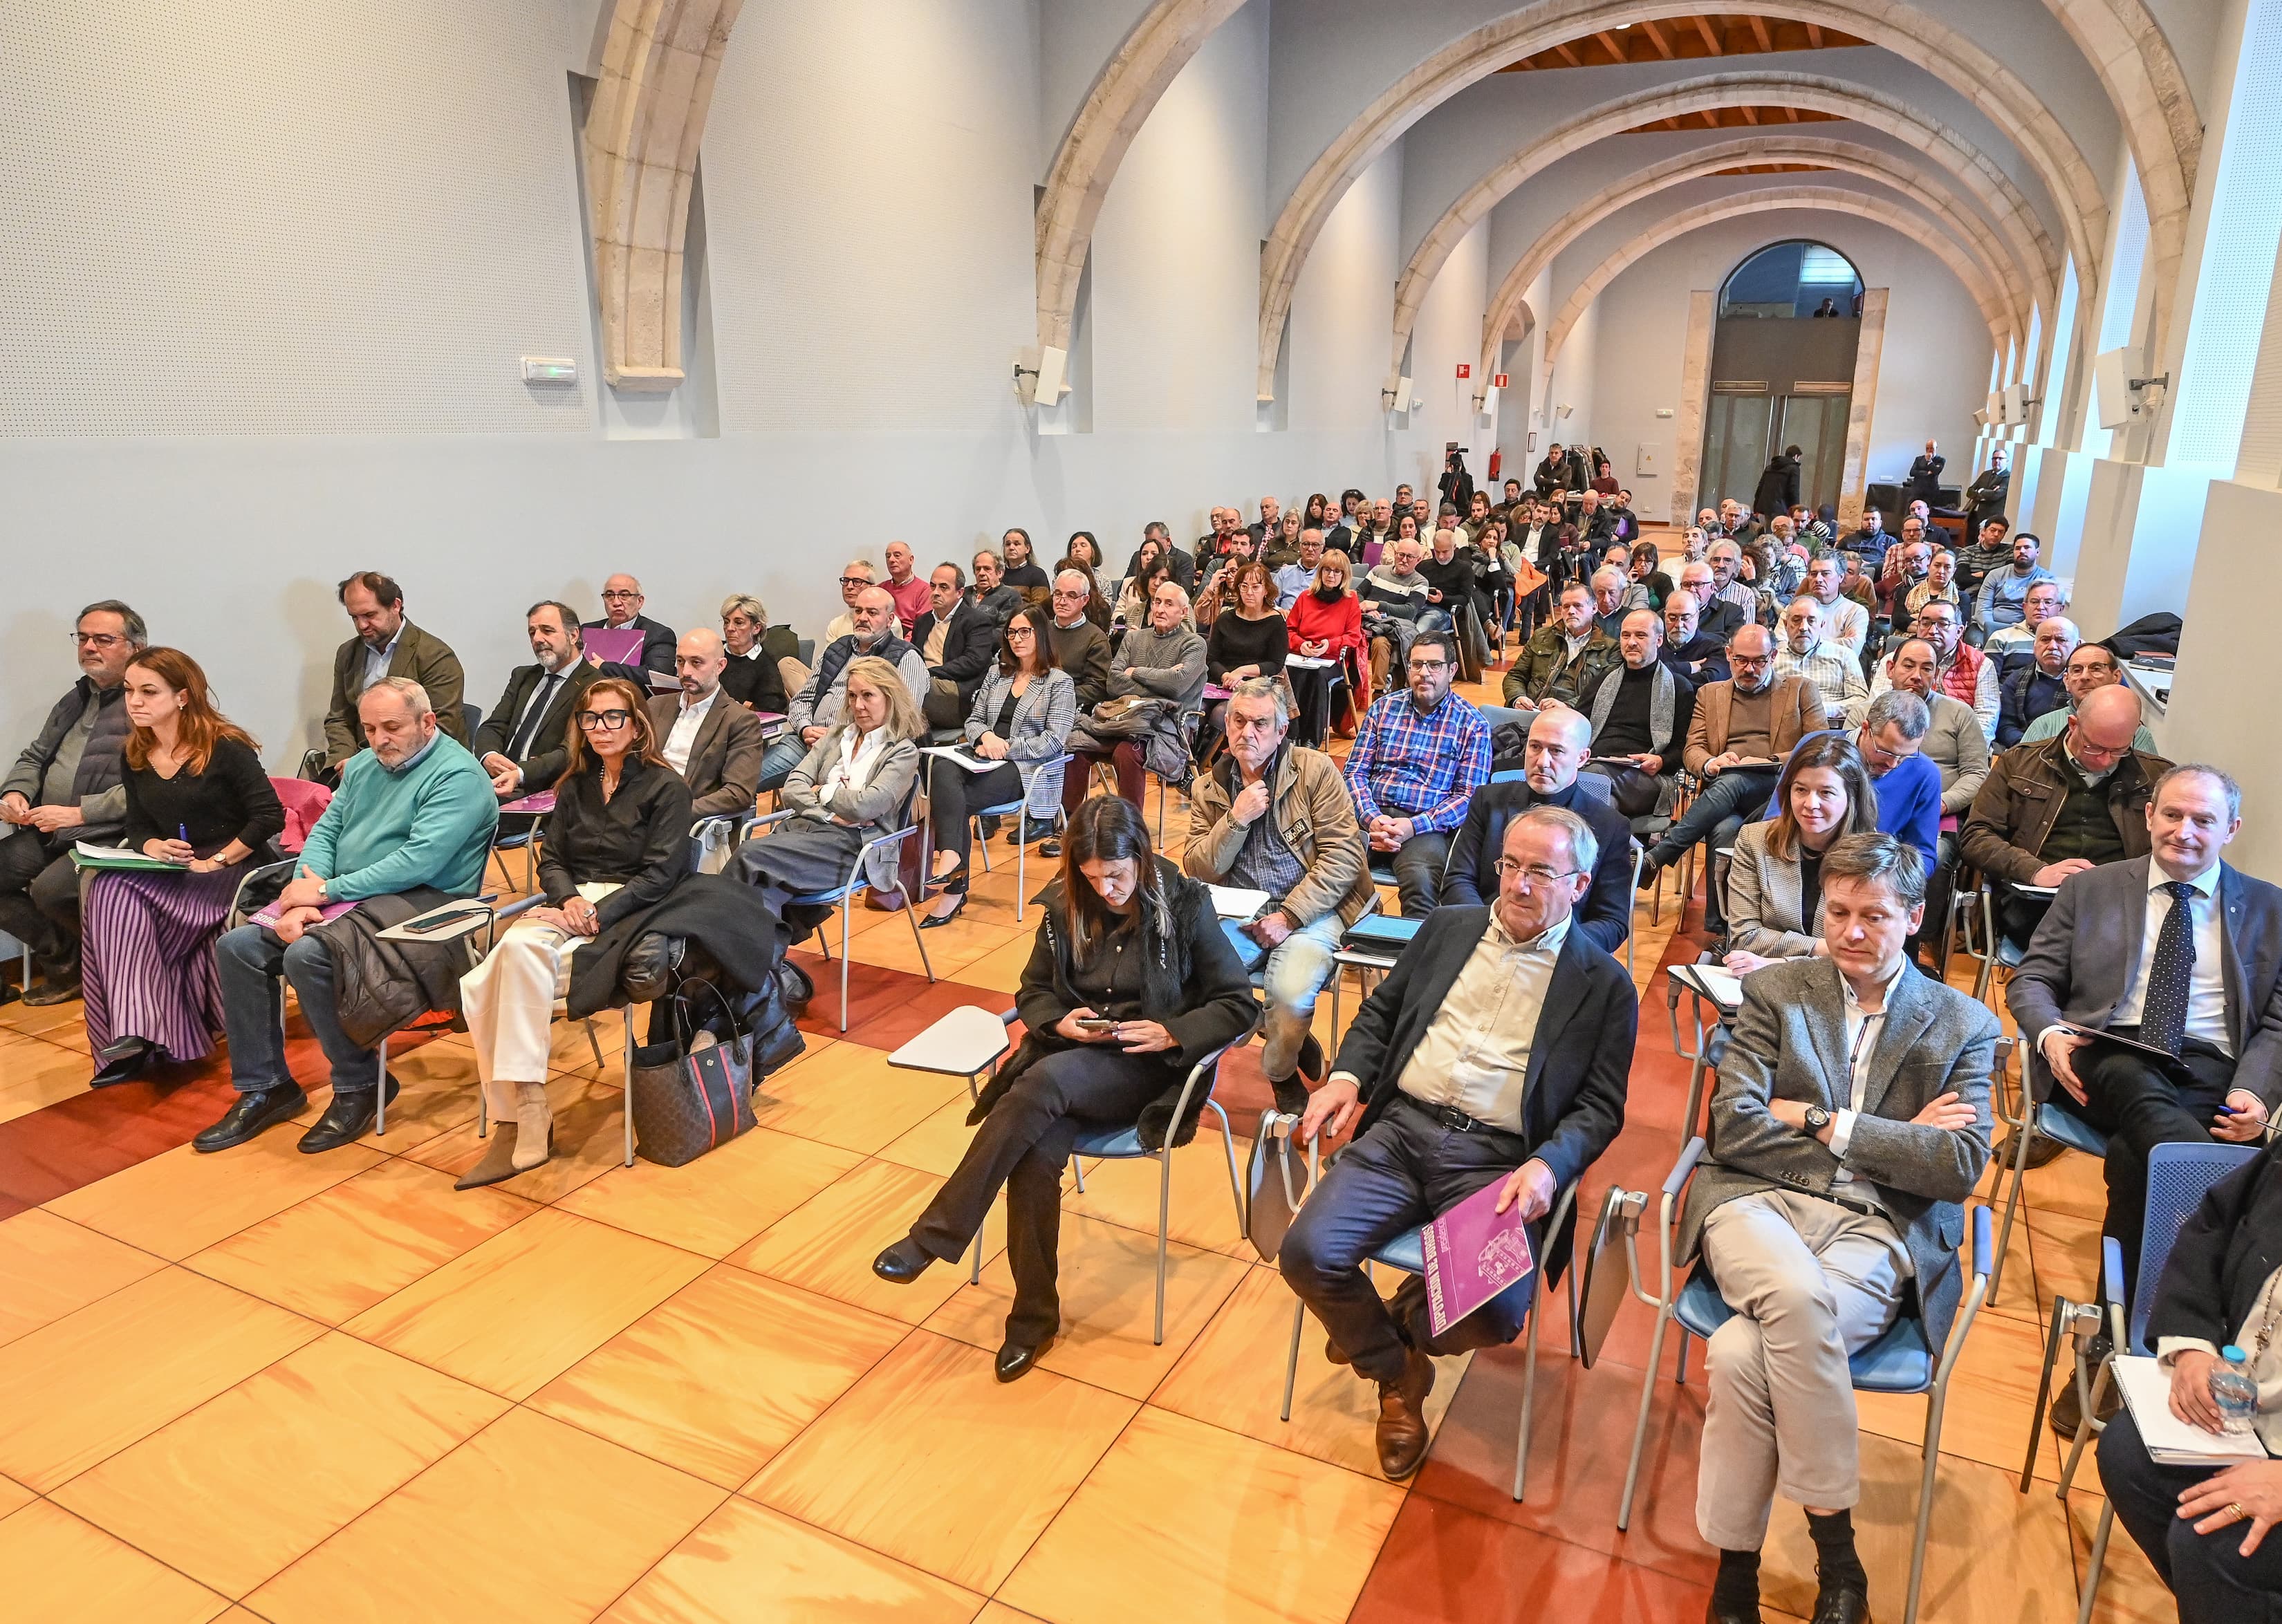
{"type": "Point", "coordinates": [2234, 1390]}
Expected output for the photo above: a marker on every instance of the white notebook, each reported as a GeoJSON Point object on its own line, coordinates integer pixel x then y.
{"type": "Point", "coordinates": [2170, 1442]}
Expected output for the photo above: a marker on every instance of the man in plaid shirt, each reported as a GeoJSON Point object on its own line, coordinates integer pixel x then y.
{"type": "Point", "coordinates": [1834, 669]}
{"type": "Point", "coordinates": [1421, 754]}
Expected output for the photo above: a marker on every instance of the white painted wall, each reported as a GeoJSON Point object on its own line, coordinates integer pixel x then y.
{"type": "Point", "coordinates": [1448, 334]}
{"type": "Point", "coordinates": [1343, 305]}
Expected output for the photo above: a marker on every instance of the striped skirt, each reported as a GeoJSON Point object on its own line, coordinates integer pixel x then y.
{"type": "Point", "coordinates": [147, 957]}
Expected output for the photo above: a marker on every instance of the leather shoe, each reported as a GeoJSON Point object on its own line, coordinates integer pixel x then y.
{"type": "Point", "coordinates": [51, 991]}
{"type": "Point", "coordinates": [903, 1263]}
{"type": "Point", "coordinates": [248, 1114]}
{"type": "Point", "coordinates": [2067, 1412]}
{"type": "Point", "coordinates": [1014, 1360]}
{"type": "Point", "coordinates": [1721, 1613]}
{"type": "Point", "coordinates": [1333, 1352]}
{"type": "Point", "coordinates": [124, 1067]}
{"type": "Point", "coordinates": [1843, 1603]}
{"type": "Point", "coordinates": [1402, 1434]}
{"type": "Point", "coordinates": [344, 1121]}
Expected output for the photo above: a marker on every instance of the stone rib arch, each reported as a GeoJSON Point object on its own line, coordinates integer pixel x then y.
{"type": "Point", "coordinates": [1991, 285]}
{"type": "Point", "coordinates": [1761, 201]}
{"type": "Point", "coordinates": [1124, 94]}
{"type": "Point", "coordinates": [1899, 28]}
{"type": "Point", "coordinates": [659, 61]}
{"type": "Point", "coordinates": [2032, 247]}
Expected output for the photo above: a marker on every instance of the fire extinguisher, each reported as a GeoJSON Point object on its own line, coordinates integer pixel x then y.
{"type": "Point", "coordinates": [1497, 458]}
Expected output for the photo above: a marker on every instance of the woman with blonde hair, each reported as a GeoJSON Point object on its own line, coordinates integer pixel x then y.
{"type": "Point", "coordinates": [754, 675]}
{"type": "Point", "coordinates": [616, 841]}
{"type": "Point", "coordinates": [196, 796]}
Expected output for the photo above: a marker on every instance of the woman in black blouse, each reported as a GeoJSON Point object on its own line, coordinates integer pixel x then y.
{"type": "Point", "coordinates": [616, 841]}
{"type": "Point", "coordinates": [1131, 983]}
{"type": "Point", "coordinates": [1249, 639]}
{"type": "Point", "coordinates": [196, 796]}
{"type": "Point", "coordinates": [753, 677]}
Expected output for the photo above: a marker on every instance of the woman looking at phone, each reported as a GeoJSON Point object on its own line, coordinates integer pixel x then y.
{"type": "Point", "coordinates": [1131, 983]}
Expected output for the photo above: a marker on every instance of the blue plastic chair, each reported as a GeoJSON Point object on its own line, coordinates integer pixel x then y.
{"type": "Point", "coordinates": [1899, 1361]}
{"type": "Point", "coordinates": [2178, 1178]}
{"type": "Point", "coordinates": [837, 896]}
{"type": "Point", "coordinates": [1124, 1144]}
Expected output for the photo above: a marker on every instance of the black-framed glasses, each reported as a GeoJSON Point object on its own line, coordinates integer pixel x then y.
{"type": "Point", "coordinates": [597, 721]}
{"type": "Point", "coordinates": [854, 580]}
{"type": "Point", "coordinates": [100, 639]}
{"type": "Point", "coordinates": [619, 597]}
{"type": "Point", "coordinates": [1534, 873]}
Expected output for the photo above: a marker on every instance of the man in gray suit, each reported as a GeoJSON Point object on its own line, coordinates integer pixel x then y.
{"type": "Point", "coordinates": [714, 742]}
{"type": "Point", "coordinates": [2178, 950]}
{"type": "Point", "coordinates": [1850, 1125]}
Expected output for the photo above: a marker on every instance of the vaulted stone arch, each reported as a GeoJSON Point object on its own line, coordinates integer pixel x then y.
{"type": "Point", "coordinates": [2019, 223]}
{"type": "Point", "coordinates": [1902, 28]}
{"type": "Point", "coordinates": [1830, 199]}
{"type": "Point", "coordinates": [1124, 94]}
{"type": "Point", "coordinates": [659, 60]}
{"type": "Point", "coordinates": [1994, 284]}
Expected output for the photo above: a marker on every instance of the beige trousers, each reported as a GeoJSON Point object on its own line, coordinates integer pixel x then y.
{"type": "Point", "coordinates": [509, 1002]}
{"type": "Point", "coordinates": [1810, 1282]}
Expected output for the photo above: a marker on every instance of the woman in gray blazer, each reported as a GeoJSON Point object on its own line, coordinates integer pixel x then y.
{"type": "Point", "coordinates": [1021, 721]}
{"type": "Point", "coordinates": [1775, 883]}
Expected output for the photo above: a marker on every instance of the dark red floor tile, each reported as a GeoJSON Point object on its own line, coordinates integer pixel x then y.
{"type": "Point", "coordinates": [1443, 1562]}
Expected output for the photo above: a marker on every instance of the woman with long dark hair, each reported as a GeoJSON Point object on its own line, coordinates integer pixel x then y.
{"type": "Point", "coordinates": [1131, 983]}
{"type": "Point", "coordinates": [1086, 550]}
{"type": "Point", "coordinates": [1775, 883]}
{"type": "Point", "coordinates": [196, 796]}
{"type": "Point", "coordinates": [1317, 514]}
{"type": "Point", "coordinates": [1021, 720]}
{"type": "Point", "coordinates": [616, 841]}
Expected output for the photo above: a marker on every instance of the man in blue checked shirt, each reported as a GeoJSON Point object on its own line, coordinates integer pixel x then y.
{"type": "Point", "coordinates": [1421, 754]}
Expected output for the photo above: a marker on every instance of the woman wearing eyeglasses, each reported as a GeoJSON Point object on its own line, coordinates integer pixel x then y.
{"type": "Point", "coordinates": [1131, 983]}
{"type": "Point", "coordinates": [1021, 720]}
{"type": "Point", "coordinates": [1774, 884]}
{"type": "Point", "coordinates": [616, 842]}
{"type": "Point", "coordinates": [853, 786]}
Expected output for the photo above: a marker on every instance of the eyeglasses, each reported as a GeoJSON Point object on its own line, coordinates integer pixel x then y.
{"type": "Point", "coordinates": [854, 580]}
{"type": "Point", "coordinates": [598, 721]}
{"type": "Point", "coordinates": [1429, 665]}
{"type": "Point", "coordinates": [1534, 873]}
{"type": "Point", "coordinates": [1018, 631]}
{"type": "Point", "coordinates": [620, 596]}
{"type": "Point", "coordinates": [99, 639]}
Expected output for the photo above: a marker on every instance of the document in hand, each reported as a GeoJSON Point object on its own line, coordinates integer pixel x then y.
{"type": "Point", "coordinates": [958, 757]}
{"type": "Point", "coordinates": [1236, 902]}
{"type": "Point", "coordinates": [2170, 1442]}
{"type": "Point", "coordinates": [269, 916]}
{"type": "Point", "coordinates": [615, 644]}
{"type": "Point", "coordinates": [1473, 1252]}
{"type": "Point", "coordinates": [119, 857]}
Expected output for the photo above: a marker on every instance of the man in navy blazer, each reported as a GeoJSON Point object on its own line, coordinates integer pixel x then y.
{"type": "Point", "coordinates": [2098, 963]}
{"type": "Point", "coordinates": [1496, 1051]}
{"type": "Point", "coordinates": [1559, 742]}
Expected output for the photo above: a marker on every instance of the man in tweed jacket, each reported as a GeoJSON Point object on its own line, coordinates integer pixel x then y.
{"type": "Point", "coordinates": [1850, 1125]}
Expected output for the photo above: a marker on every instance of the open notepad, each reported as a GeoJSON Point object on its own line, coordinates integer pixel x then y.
{"type": "Point", "coordinates": [118, 858]}
{"type": "Point", "coordinates": [2147, 1388]}
{"type": "Point", "coordinates": [1715, 982]}
{"type": "Point", "coordinates": [958, 757]}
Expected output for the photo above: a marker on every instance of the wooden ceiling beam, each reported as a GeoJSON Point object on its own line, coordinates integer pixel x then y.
{"type": "Point", "coordinates": [1760, 33]}
{"type": "Point", "coordinates": [1751, 114]}
{"type": "Point", "coordinates": [1609, 44]}
{"type": "Point", "coordinates": [1656, 38]}
{"type": "Point", "coordinates": [1567, 55]}
{"type": "Point", "coordinates": [1711, 39]}
{"type": "Point", "coordinates": [1790, 114]}
{"type": "Point", "coordinates": [1814, 36]}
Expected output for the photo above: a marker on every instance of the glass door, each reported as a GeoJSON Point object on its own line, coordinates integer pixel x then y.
{"type": "Point", "coordinates": [1816, 423]}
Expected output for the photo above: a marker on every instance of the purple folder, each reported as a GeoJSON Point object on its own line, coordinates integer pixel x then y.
{"type": "Point", "coordinates": [269, 916]}
{"type": "Point", "coordinates": [538, 803]}
{"type": "Point", "coordinates": [1473, 1253]}
{"type": "Point", "coordinates": [615, 644]}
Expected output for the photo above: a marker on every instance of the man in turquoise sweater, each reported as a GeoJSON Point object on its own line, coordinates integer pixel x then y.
{"type": "Point", "coordinates": [415, 810]}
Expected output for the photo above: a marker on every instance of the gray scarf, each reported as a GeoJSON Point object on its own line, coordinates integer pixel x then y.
{"type": "Point", "coordinates": [1663, 705]}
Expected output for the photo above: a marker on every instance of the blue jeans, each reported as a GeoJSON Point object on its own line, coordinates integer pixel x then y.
{"type": "Point", "coordinates": [782, 757]}
{"type": "Point", "coordinates": [1291, 976]}
{"type": "Point", "coordinates": [1398, 1176]}
{"type": "Point", "coordinates": [250, 961]}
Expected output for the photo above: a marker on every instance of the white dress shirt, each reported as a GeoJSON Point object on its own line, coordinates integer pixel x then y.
{"type": "Point", "coordinates": [1474, 1055]}
{"type": "Point", "coordinates": [375, 660]}
{"type": "Point", "coordinates": [681, 738]}
{"type": "Point", "coordinates": [1864, 1028]}
{"type": "Point", "coordinates": [2206, 986]}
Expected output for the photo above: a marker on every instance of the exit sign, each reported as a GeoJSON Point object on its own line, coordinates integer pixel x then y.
{"type": "Point", "coordinates": [1465, 369]}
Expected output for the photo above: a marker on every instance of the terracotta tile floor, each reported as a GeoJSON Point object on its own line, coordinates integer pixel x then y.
{"type": "Point", "coordinates": [262, 1386]}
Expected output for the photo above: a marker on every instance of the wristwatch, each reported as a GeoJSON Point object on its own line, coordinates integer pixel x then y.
{"type": "Point", "coordinates": [1817, 1119]}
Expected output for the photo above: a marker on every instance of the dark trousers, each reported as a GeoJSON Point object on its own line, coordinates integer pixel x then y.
{"type": "Point", "coordinates": [1733, 799]}
{"type": "Point", "coordinates": [1418, 864]}
{"type": "Point", "coordinates": [251, 961]}
{"type": "Point", "coordinates": [1933, 930]}
{"type": "Point", "coordinates": [942, 705]}
{"type": "Point", "coordinates": [1124, 759]}
{"type": "Point", "coordinates": [1633, 792]}
{"type": "Point", "coordinates": [1023, 1145]}
{"type": "Point", "coordinates": [2133, 1101]}
{"type": "Point", "coordinates": [39, 899]}
{"type": "Point", "coordinates": [2017, 915]}
{"type": "Point", "coordinates": [1408, 1168]}
{"type": "Point", "coordinates": [953, 794]}
{"type": "Point", "coordinates": [1312, 690]}
{"type": "Point", "coordinates": [2209, 1576]}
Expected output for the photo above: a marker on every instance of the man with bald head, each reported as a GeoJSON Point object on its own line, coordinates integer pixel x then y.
{"type": "Point", "coordinates": [1716, 617]}
{"type": "Point", "coordinates": [2061, 806]}
{"type": "Point", "coordinates": [911, 591]}
{"type": "Point", "coordinates": [816, 706]}
{"type": "Point", "coordinates": [1640, 713]}
{"type": "Point", "coordinates": [714, 742]}
{"type": "Point", "coordinates": [2037, 684]}
{"type": "Point", "coordinates": [1560, 741]}
{"type": "Point", "coordinates": [622, 605]}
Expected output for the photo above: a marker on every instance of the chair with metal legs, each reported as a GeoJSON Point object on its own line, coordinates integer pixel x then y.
{"type": "Point", "coordinates": [1899, 1361]}
{"type": "Point", "coordinates": [969, 1042]}
{"type": "Point", "coordinates": [1125, 1145]}
{"type": "Point", "coordinates": [838, 896]}
{"type": "Point", "coordinates": [1019, 810]}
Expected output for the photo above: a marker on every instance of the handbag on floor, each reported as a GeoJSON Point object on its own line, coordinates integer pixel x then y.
{"type": "Point", "coordinates": [690, 1096]}
{"type": "Point", "coordinates": [1274, 1182]}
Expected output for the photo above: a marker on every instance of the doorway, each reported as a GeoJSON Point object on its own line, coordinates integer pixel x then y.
{"type": "Point", "coordinates": [1782, 372]}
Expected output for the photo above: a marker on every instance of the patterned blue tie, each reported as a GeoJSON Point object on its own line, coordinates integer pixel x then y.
{"type": "Point", "coordinates": [2164, 1014]}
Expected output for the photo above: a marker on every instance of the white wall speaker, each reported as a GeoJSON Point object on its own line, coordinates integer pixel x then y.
{"type": "Point", "coordinates": [1994, 412]}
{"type": "Point", "coordinates": [1051, 364]}
{"type": "Point", "coordinates": [2112, 372]}
{"type": "Point", "coordinates": [2017, 403]}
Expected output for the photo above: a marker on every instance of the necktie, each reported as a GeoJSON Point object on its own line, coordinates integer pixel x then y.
{"type": "Point", "coordinates": [2163, 1014]}
{"type": "Point", "coordinates": [519, 746]}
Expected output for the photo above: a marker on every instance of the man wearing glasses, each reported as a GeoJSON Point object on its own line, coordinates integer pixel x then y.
{"type": "Point", "coordinates": [2090, 666]}
{"type": "Point", "coordinates": [1420, 755]}
{"type": "Point", "coordinates": [855, 575]}
{"type": "Point", "coordinates": [1495, 1052]}
{"type": "Point", "coordinates": [622, 603]}
{"type": "Point", "coordinates": [66, 787]}
{"type": "Point", "coordinates": [2061, 806]}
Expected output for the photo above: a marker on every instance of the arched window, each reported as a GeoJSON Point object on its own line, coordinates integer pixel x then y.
{"type": "Point", "coordinates": [1797, 278]}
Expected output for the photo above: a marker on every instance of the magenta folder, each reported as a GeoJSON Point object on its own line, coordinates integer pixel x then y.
{"type": "Point", "coordinates": [615, 644]}
{"type": "Point", "coordinates": [1473, 1253]}
{"type": "Point", "coordinates": [269, 915]}
{"type": "Point", "coordinates": [538, 803]}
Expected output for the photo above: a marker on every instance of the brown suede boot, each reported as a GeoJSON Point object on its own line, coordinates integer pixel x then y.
{"type": "Point", "coordinates": [498, 1164]}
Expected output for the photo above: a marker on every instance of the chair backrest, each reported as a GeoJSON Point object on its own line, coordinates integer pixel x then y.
{"type": "Point", "coordinates": [2178, 1178]}
{"type": "Point", "coordinates": [808, 652]}
{"type": "Point", "coordinates": [1510, 775]}
{"type": "Point", "coordinates": [304, 803]}
{"type": "Point", "coordinates": [1600, 786]}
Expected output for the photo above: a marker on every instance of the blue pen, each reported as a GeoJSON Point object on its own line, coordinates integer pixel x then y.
{"type": "Point", "coordinates": [182, 833]}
